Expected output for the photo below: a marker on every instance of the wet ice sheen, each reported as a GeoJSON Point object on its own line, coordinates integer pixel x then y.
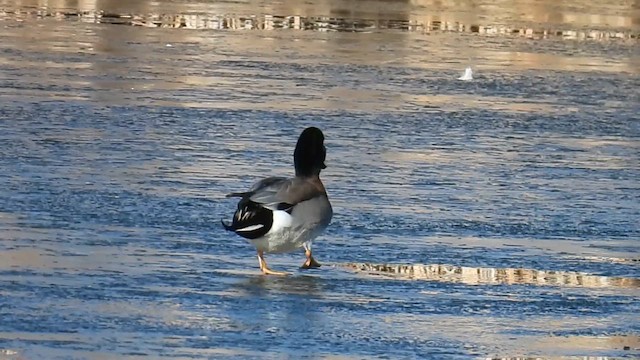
{"type": "Point", "coordinates": [492, 218]}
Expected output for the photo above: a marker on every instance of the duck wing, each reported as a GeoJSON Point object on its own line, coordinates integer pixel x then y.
{"type": "Point", "coordinates": [278, 193]}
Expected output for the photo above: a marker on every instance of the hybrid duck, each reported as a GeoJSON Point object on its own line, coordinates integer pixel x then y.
{"type": "Point", "coordinates": [280, 214]}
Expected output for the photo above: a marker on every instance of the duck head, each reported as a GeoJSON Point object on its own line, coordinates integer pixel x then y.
{"type": "Point", "coordinates": [310, 153]}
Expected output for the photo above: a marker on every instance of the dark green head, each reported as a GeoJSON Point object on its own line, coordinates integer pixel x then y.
{"type": "Point", "coordinates": [310, 153]}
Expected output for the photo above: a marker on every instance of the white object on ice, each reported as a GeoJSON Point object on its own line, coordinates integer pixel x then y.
{"type": "Point", "coordinates": [468, 74]}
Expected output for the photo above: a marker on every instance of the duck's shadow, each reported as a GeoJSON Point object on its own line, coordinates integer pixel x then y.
{"type": "Point", "coordinates": [303, 282]}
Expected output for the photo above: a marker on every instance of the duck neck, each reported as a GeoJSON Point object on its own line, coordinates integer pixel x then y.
{"type": "Point", "coordinates": [307, 173]}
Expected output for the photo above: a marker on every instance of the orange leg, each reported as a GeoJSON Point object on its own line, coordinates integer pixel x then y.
{"type": "Point", "coordinates": [264, 268]}
{"type": "Point", "coordinates": [311, 263]}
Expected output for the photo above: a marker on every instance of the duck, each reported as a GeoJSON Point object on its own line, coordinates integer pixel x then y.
{"type": "Point", "coordinates": [279, 214]}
